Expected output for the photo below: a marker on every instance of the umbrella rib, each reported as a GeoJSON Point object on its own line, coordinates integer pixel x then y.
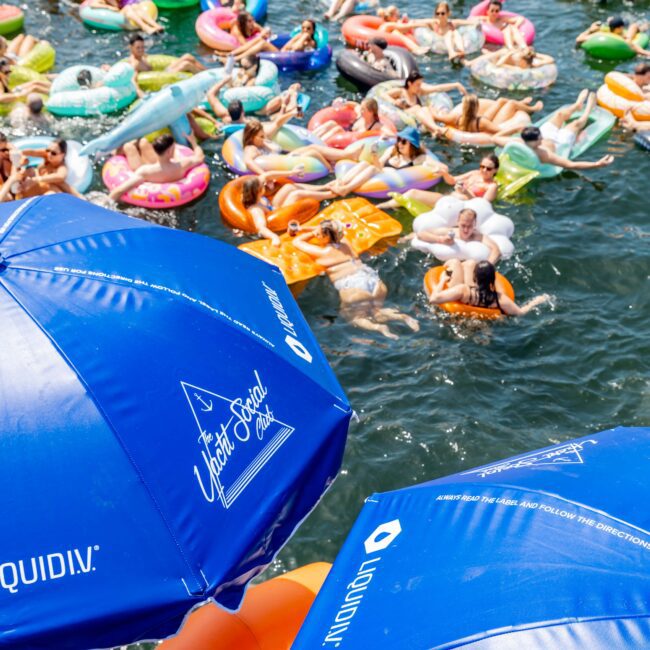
{"type": "Point", "coordinates": [14, 217]}
{"type": "Point", "coordinates": [91, 394]}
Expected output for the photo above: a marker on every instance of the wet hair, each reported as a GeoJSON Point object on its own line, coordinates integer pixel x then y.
{"type": "Point", "coordinates": [414, 151]}
{"type": "Point", "coordinates": [62, 145]}
{"type": "Point", "coordinates": [531, 134]}
{"type": "Point", "coordinates": [35, 104]}
{"type": "Point", "coordinates": [493, 158]}
{"type": "Point", "coordinates": [311, 22]}
{"type": "Point", "coordinates": [136, 38]}
{"type": "Point", "coordinates": [414, 75]}
{"type": "Point", "coordinates": [496, 3]}
{"type": "Point", "coordinates": [250, 191]}
{"type": "Point", "coordinates": [235, 109]}
{"type": "Point", "coordinates": [642, 68]}
{"type": "Point", "coordinates": [469, 113]}
{"type": "Point", "coordinates": [249, 62]}
{"type": "Point", "coordinates": [332, 230]}
{"type": "Point", "coordinates": [615, 23]}
{"type": "Point", "coordinates": [485, 278]}
{"type": "Point", "coordinates": [379, 41]}
{"type": "Point", "coordinates": [371, 104]}
{"type": "Point", "coordinates": [469, 212]}
{"type": "Point", "coordinates": [242, 23]}
{"type": "Point", "coordinates": [3, 137]}
{"type": "Point", "coordinates": [85, 78]}
{"type": "Point", "coordinates": [529, 54]}
{"type": "Point", "coordinates": [252, 128]}
{"type": "Point", "coordinates": [162, 143]}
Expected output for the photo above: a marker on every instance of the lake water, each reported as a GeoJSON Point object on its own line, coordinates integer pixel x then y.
{"type": "Point", "coordinates": [459, 394]}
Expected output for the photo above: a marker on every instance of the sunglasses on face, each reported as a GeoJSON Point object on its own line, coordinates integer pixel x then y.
{"type": "Point", "coordinates": [487, 168]}
{"type": "Point", "coordinates": [52, 152]}
{"type": "Point", "coordinates": [5, 150]}
{"type": "Point", "coordinates": [441, 13]}
{"type": "Point", "coordinates": [401, 141]}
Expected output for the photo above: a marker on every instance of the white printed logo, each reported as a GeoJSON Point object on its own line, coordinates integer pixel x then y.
{"type": "Point", "coordinates": [238, 436]}
{"type": "Point", "coordinates": [383, 536]}
{"type": "Point", "coordinates": [52, 566]}
{"type": "Point", "coordinates": [565, 454]}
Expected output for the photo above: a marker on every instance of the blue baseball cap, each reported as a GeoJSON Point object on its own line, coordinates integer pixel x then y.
{"type": "Point", "coordinates": [410, 134]}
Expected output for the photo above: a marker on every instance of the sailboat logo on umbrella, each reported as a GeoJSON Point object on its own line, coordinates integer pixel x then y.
{"type": "Point", "coordinates": [237, 436]}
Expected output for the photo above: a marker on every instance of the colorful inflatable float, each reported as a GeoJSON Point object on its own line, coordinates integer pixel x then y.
{"type": "Point", "coordinates": [620, 94]}
{"type": "Point", "coordinates": [365, 225]}
{"type": "Point", "coordinates": [493, 34]}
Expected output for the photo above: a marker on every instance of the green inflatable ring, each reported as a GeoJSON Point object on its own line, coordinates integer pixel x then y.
{"type": "Point", "coordinates": [158, 78]}
{"type": "Point", "coordinates": [175, 4]}
{"type": "Point", "coordinates": [611, 47]}
{"type": "Point", "coordinates": [14, 20]}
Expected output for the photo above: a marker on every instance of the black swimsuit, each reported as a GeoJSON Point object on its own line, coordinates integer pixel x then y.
{"type": "Point", "coordinates": [479, 301]}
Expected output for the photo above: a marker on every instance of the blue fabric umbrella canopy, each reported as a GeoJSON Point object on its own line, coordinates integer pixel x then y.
{"type": "Point", "coordinates": [167, 420]}
{"type": "Point", "coordinates": [549, 549]}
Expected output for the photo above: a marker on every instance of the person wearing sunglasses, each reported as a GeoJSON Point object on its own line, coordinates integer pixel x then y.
{"type": "Point", "coordinates": [361, 291]}
{"type": "Point", "coordinates": [509, 25]}
{"type": "Point", "coordinates": [445, 26]}
{"type": "Point", "coordinates": [304, 39]}
{"type": "Point", "coordinates": [8, 96]}
{"type": "Point", "coordinates": [47, 178]}
{"type": "Point", "coordinates": [477, 183]}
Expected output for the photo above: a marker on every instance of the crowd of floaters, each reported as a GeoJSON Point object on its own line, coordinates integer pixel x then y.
{"type": "Point", "coordinates": [374, 149]}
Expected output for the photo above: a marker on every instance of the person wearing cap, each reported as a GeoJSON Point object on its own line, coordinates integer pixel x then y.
{"type": "Point", "coordinates": [375, 57]}
{"type": "Point", "coordinates": [30, 114]}
{"type": "Point", "coordinates": [361, 291]}
{"type": "Point", "coordinates": [615, 25]}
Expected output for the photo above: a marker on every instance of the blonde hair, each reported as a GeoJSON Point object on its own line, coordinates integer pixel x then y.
{"type": "Point", "coordinates": [469, 114]}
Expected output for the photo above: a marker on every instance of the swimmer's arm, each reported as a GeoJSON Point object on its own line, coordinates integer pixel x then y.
{"type": "Point", "coordinates": [5, 190]}
{"type": "Point", "coordinates": [542, 59]}
{"type": "Point", "coordinates": [311, 249]}
{"type": "Point", "coordinates": [272, 175]}
{"type": "Point", "coordinates": [436, 236]}
{"type": "Point", "coordinates": [273, 126]}
{"type": "Point", "coordinates": [197, 154]}
{"type": "Point", "coordinates": [581, 38]}
{"type": "Point", "coordinates": [454, 294]}
{"type": "Point", "coordinates": [491, 194]}
{"type": "Point", "coordinates": [250, 154]}
{"type": "Point", "coordinates": [215, 103]}
{"type": "Point", "coordinates": [511, 308]}
{"type": "Point", "coordinates": [515, 21]}
{"type": "Point", "coordinates": [35, 153]}
{"type": "Point", "coordinates": [552, 158]}
{"type": "Point", "coordinates": [55, 177]}
{"type": "Point", "coordinates": [394, 94]}
{"type": "Point", "coordinates": [427, 89]}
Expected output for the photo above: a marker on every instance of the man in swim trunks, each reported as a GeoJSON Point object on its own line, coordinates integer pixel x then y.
{"type": "Point", "coordinates": [138, 59]}
{"type": "Point", "coordinates": [155, 163]}
{"type": "Point", "coordinates": [375, 55]}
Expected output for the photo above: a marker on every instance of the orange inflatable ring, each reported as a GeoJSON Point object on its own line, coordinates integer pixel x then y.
{"type": "Point", "coordinates": [358, 30]}
{"type": "Point", "coordinates": [345, 116]}
{"type": "Point", "coordinates": [432, 277]}
{"type": "Point", "coordinates": [364, 223]}
{"type": "Point", "coordinates": [270, 616]}
{"type": "Point", "coordinates": [235, 215]}
{"type": "Point", "coordinates": [619, 94]}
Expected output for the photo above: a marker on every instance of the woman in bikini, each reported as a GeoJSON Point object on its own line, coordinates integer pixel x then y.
{"type": "Point", "coordinates": [252, 38]}
{"type": "Point", "coordinates": [409, 98]}
{"type": "Point", "coordinates": [398, 25]}
{"type": "Point", "coordinates": [259, 205]}
{"type": "Point", "coordinates": [368, 120]}
{"type": "Point", "coordinates": [477, 183]}
{"type": "Point", "coordinates": [132, 13]}
{"type": "Point", "coordinates": [8, 96]}
{"type": "Point", "coordinates": [361, 291]}
{"type": "Point", "coordinates": [303, 40]}
{"type": "Point", "coordinates": [481, 292]}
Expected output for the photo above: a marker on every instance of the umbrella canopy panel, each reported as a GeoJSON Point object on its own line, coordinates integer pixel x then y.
{"type": "Point", "coordinates": [167, 420]}
{"type": "Point", "coordinates": [545, 550]}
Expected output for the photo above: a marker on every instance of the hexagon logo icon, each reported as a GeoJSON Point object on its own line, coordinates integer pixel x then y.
{"type": "Point", "coordinates": [383, 536]}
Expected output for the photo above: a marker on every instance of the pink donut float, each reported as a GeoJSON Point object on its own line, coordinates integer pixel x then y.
{"type": "Point", "coordinates": [494, 34]}
{"type": "Point", "coordinates": [158, 195]}
{"type": "Point", "coordinates": [358, 30]}
{"type": "Point", "coordinates": [345, 116]}
{"type": "Point", "coordinates": [212, 28]}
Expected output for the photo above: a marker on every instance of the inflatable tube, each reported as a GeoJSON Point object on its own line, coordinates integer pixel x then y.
{"type": "Point", "coordinates": [11, 19]}
{"type": "Point", "coordinates": [358, 30]}
{"type": "Point", "coordinates": [80, 168]}
{"type": "Point", "coordinates": [643, 140]}
{"type": "Point", "coordinates": [158, 77]}
{"type": "Point", "coordinates": [117, 91]}
{"type": "Point", "coordinates": [255, 98]}
{"type": "Point", "coordinates": [502, 285]}
{"type": "Point", "coordinates": [494, 34]}
{"type": "Point", "coordinates": [612, 47]}
{"type": "Point", "coordinates": [176, 4]}
{"type": "Point", "coordinates": [400, 118]}
{"type": "Point", "coordinates": [620, 93]}
{"type": "Point", "coordinates": [472, 35]}
{"type": "Point", "coordinates": [353, 66]}
{"type": "Point", "coordinates": [212, 28]}
{"type": "Point", "coordinates": [158, 195]}
{"type": "Point", "coordinates": [520, 120]}
{"type": "Point", "coordinates": [235, 215]}
{"type": "Point", "coordinates": [511, 77]}
{"type": "Point", "coordinates": [257, 8]}
{"type": "Point", "coordinates": [345, 116]}
{"type": "Point", "coordinates": [40, 58]}
{"type": "Point", "coordinates": [389, 180]}
{"type": "Point", "coordinates": [445, 215]}
{"type": "Point", "coordinates": [307, 60]}
{"type": "Point", "coordinates": [289, 137]}
{"type": "Point", "coordinates": [113, 21]}
{"type": "Point", "coordinates": [364, 225]}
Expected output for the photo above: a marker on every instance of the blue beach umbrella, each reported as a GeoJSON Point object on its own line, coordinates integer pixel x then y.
{"type": "Point", "coordinates": [549, 549]}
{"type": "Point", "coordinates": [167, 420]}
